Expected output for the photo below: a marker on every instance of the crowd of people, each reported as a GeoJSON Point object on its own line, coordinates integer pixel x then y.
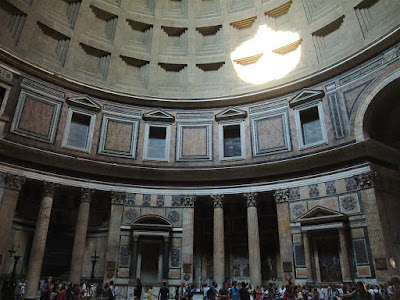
{"type": "Point", "coordinates": [356, 291]}
{"type": "Point", "coordinates": [62, 290]}
{"type": "Point", "coordinates": [58, 290]}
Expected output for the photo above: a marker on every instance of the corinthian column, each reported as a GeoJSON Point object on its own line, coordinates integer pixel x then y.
{"type": "Point", "coordinates": [219, 247]}
{"type": "Point", "coordinates": [253, 239]}
{"type": "Point", "coordinates": [13, 184]}
{"type": "Point", "coordinates": [187, 236]}
{"type": "Point", "coordinates": [114, 232]}
{"type": "Point", "coordinates": [39, 241]}
{"type": "Point", "coordinates": [78, 250]}
{"type": "Point", "coordinates": [285, 241]}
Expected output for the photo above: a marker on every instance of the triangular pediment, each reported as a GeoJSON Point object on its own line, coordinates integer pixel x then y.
{"type": "Point", "coordinates": [231, 113]}
{"type": "Point", "coordinates": [84, 101]}
{"type": "Point", "coordinates": [159, 115]}
{"type": "Point", "coordinates": [306, 95]}
{"type": "Point", "coordinates": [320, 214]}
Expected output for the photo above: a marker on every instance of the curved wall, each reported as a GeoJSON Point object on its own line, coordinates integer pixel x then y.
{"type": "Point", "coordinates": [41, 121]}
{"type": "Point", "coordinates": [170, 51]}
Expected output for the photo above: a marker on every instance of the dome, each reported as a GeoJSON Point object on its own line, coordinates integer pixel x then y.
{"type": "Point", "coordinates": [198, 142]}
{"type": "Point", "coordinates": [193, 53]}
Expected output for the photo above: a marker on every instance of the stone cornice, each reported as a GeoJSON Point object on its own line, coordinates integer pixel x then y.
{"type": "Point", "coordinates": [71, 166]}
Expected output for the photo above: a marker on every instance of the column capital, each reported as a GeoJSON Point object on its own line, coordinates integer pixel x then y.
{"type": "Point", "coordinates": [188, 200]}
{"type": "Point", "coordinates": [281, 195]}
{"type": "Point", "coordinates": [86, 195]}
{"type": "Point", "coordinates": [218, 200]}
{"type": "Point", "coordinates": [118, 198]}
{"type": "Point", "coordinates": [366, 180]}
{"type": "Point", "coordinates": [251, 199]}
{"type": "Point", "coordinates": [14, 182]}
{"type": "Point", "coordinates": [166, 238]}
{"type": "Point", "coordinates": [49, 188]}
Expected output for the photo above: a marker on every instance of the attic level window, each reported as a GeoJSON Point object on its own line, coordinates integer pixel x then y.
{"type": "Point", "coordinates": [79, 130]}
{"type": "Point", "coordinates": [157, 141]}
{"type": "Point", "coordinates": [2, 95]}
{"type": "Point", "coordinates": [232, 141]}
{"type": "Point", "coordinates": [156, 145]}
{"type": "Point", "coordinates": [311, 125]}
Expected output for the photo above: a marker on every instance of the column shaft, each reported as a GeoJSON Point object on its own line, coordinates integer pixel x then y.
{"type": "Point", "coordinates": [114, 232]}
{"type": "Point", "coordinates": [78, 250]}
{"type": "Point", "coordinates": [285, 241]}
{"type": "Point", "coordinates": [344, 257]}
{"type": "Point", "coordinates": [307, 255]}
{"type": "Point", "coordinates": [13, 186]}
{"type": "Point", "coordinates": [187, 236]}
{"type": "Point", "coordinates": [253, 240]}
{"type": "Point", "coordinates": [166, 258]}
{"type": "Point", "coordinates": [219, 253]}
{"type": "Point", "coordinates": [135, 249]}
{"type": "Point", "coordinates": [39, 242]}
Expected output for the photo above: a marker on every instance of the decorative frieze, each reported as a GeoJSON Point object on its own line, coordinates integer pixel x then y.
{"type": "Point", "coordinates": [160, 200]}
{"type": "Point", "coordinates": [281, 195]}
{"type": "Point", "coordinates": [251, 199]}
{"type": "Point", "coordinates": [218, 200]}
{"type": "Point", "coordinates": [188, 200]}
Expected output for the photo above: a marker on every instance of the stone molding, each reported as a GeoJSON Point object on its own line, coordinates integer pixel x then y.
{"type": "Point", "coordinates": [281, 195]}
{"type": "Point", "coordinates": [188, 200]}
{"type": "Point", "coordinates": [251, 199]}
{"type": "Point", "coordinates": [218, 200]}
{"type": "Point", "coordinates": [86, 195]}
{"type": "Point", "coordinates": [366, 180]}
{"type": "Point", "coordinates": [118, 198]}
{"type": "Point", "coordinates": [14, 182]}
{"type": "Point", "coordinates": [49, 189]}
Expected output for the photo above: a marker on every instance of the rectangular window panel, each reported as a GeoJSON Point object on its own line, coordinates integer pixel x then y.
{"type": "Point", "coordinates": [2, 95]}
{"type": "Point", "coordinates": [311, 125]}
{"type": "Point", "coordinates": [157, 142]}
{"type": "Point", "coordinates": [232, 141]}
{"type": "Point", "coordinates": [79, 131]}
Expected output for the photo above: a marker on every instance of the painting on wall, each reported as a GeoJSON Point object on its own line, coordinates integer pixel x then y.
{"type": "Point", "coordinates": [329, 261]}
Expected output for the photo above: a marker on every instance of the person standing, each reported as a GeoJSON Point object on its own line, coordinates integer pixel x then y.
{"type": "Point", "coordinates": [234, 291]}
{"type": "Point", "coordinates": [150, 294]}
{"type": "Point", "coordinates": [164, 292]}
{"type": "Point", "coordinates": [243, 293]}
{"type": "Point", "coordinates": [138, 289]}
{"type": "Point", "coordinates": [223, 293]}
{"type": "Point", "coordinates": [47, 288]}
{"type": "Point", "coordinates": [21, 289]}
